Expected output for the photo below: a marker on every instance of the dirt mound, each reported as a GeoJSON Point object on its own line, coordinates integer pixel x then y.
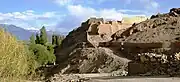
{"type": "Point", "coordinates": [92, 60]}
{"type": "Point", "coordinates": [156, 29]}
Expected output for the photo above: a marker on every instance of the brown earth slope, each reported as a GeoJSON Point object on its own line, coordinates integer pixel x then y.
{"type": "Point", "coordinates": [78, 55]}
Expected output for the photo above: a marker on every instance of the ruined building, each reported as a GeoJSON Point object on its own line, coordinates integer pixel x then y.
{"type": "Point", "coordinates": [98, 41]}
{"type": "Point", "coordinates": [101, 30]}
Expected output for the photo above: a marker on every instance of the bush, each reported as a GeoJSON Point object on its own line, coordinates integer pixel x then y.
{"type": "Point", "coordinates": [16, 62]}
{"type": "Point", "coordinates": [42, 55]}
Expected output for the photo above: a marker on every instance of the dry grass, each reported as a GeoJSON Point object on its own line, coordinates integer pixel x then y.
{"type": "Point", "coordinates": [16, 62]}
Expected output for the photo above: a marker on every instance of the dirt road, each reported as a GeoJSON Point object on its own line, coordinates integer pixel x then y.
{"type": "Point", "coordinates": [135, 79]}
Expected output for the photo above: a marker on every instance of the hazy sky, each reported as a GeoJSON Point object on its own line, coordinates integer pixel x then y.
{"type": "Point", "coordinates": [64, 15]}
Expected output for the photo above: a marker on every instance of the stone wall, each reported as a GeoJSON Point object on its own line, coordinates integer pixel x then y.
{"type": "Point", "coordinates": [155, 64]}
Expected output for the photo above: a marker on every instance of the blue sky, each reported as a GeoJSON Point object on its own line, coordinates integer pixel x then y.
{"type": "Point", "coordinates": [64, 15]}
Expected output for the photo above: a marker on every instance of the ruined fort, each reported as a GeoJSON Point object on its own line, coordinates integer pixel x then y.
{"type": "Point", "coordinates": [140, 48]}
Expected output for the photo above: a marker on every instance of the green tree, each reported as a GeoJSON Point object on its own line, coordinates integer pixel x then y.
{"type": "Point", "coordinates": [42, 55]}
{"type": "Point", "coordinates": [32, 39]}
{"type": "Point", "coordinates": [37, 39]}
{"type": "Point", "coordinates": [43, 36]}
{"type": "Point", "coordinates": [50, 48]}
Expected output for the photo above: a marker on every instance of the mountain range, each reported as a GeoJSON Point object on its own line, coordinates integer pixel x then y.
{"type": "Point", "coordinates": [23, 34]}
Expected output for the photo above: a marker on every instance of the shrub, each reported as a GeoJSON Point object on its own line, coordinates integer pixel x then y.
{"type": "Point", "coordinates": [50, 48]}
{"type": "Point", "coordinates": [16, 62]}
{"type": "Point", "coordinates": [42, 55]}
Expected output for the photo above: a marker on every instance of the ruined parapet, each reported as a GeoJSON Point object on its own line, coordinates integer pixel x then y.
{"type": "Point", "coordinates": [97, 26]}
{"type": "Point", "coordinates": [105, 29]}
{"type": "Point", "coordinates": [94, 23]}
{"type": "Point", "coordinates": [157, 63]}
{"type": "Point", "coordinates": [95, 20]}
{"type": "Point", "coordinates": [93, 30]}
{"type": "Point", "coordinates": [100, 31]}
{"type": "Point", "coordinates": [147, 62]}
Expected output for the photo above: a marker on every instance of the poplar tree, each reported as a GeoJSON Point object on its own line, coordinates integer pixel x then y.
{"type": "Point", "coordinates": [43, 36]}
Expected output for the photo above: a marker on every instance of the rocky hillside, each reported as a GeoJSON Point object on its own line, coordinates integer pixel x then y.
{"type": "Point", "coordinates": [78, 55]}
{"type": "Point", "coordinates": [161, 32]}
{"type": "Point", "coordinates": [160, 28]}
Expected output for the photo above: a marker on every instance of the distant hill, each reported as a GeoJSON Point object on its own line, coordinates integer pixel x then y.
{"type": "Point", "coordinates": [23, 34]}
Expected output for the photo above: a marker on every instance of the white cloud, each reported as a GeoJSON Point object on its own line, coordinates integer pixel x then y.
{"type": "Point", "coordinates": [78, 13]}
{"type": "Point", "coordinates": [86, 12]}
{"type": "Point", "coordinates": [26, 15]}
{"type": "Point", "coordinates": [111, 14]}
{"type": "Point", "coordinates": [29, 19]}
{"type": "Point", "coordinates": [55, 21]}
